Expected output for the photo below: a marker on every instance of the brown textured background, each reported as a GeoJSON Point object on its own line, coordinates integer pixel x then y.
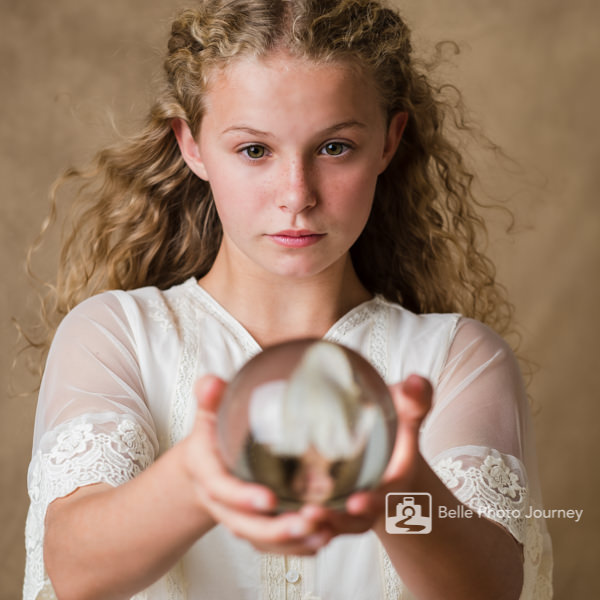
{"type": "Point", "coordinates": [529, 71]}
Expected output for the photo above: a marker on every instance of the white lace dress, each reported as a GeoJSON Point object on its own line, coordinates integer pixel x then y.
{"type": "Point", "coordinates": [117, 392]}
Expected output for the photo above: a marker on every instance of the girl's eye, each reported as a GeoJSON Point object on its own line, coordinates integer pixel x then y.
{"type": "Point", "coordinates": [254, 152]}
{"type": "Point", "coordinates": [335, 148]}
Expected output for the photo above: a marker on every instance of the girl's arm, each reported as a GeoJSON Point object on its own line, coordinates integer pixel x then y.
{"type": "Point", "coordinates": [104, 542]}
{"type": "Point", "coordinates": [111, 542]}
{"type": "Point", "coordinates": [460, 558]}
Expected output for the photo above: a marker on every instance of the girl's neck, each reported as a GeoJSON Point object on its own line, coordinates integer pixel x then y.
{"type": "Point", "coordinates": [274, 309]}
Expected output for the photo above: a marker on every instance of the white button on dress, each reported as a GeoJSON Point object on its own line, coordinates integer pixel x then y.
{"type": "Point", "coordinates": [292, 576]}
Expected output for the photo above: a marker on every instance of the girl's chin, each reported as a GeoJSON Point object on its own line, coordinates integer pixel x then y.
{"type": "Point", "coordinates": [296, 270]}
{"type": "Point", "coordinates": [289, 263]}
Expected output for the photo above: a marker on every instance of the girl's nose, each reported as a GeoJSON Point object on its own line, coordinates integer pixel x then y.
{"type": "Point", "coordinates": [298, 192]}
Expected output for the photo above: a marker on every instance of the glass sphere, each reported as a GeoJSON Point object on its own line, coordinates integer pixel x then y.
{"type": "Point", "coordinates": [310, 419]}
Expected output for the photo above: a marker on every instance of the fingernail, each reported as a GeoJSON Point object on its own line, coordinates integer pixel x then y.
{"type": "Point", "coordinates": [298, 528]}
{"type": "Point", "coordinates": [260, 502]}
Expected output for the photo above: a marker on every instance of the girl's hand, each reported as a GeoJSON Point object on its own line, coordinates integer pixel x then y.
{"type": "Point", "coordinates": [246, 509]}
{"type": "Point", "coordinates": [412, 399]}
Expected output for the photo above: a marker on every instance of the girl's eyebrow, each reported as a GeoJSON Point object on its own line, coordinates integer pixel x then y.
{"type": "Point", "coordinates": [265, 134]}
{"type": "Point", "coordinates": [352, 124]}
{"type": "Point", "coordinates": [246, 129]}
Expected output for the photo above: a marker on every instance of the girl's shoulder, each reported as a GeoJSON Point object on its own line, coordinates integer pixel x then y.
{"type": "Point", "coordinates": [409, 342]}
{"type": "Point", "coordinates": [430, 343]}
{"type": "Point", "coordinates": [142, 316]}
{"type": "Point", "coordinates": [437, 326]}
{"type": "Point", "coordinates": [405, 325]}
{"type": "Point", "coordinates": [140, 311]}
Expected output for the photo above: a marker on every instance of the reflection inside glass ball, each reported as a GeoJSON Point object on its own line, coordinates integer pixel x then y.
{"type": "Point", "coordinates": [310, 419]}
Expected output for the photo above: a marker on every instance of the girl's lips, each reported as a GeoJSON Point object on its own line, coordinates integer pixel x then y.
{"type": "Point", "coordinates": [296, 239]}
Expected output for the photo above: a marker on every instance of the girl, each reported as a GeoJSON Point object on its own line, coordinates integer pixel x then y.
{"type": "Point", "coordinates": [293, 180]}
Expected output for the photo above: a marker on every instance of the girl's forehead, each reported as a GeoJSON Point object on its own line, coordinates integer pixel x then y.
{"type": "Point", "coordinates": [283, 80]}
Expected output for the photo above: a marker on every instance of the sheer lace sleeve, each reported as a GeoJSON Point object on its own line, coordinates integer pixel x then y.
{"type": "Point", "coordinates": [92, 421]}
{"type": "Point", "coordinates": [478, 439]}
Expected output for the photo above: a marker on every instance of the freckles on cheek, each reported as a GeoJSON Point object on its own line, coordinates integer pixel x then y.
{"type": "Point", "coordinates": [358, 195]}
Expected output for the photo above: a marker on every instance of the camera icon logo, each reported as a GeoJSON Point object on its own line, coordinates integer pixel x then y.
{"type": "Point", "coordinates": [408, 513]}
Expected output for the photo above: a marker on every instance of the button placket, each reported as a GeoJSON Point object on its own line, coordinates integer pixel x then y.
{"type": "Point", "coordinates": [293, 578]}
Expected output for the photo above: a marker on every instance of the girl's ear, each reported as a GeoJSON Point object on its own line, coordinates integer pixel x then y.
{"type": "Point", "coordinates": [189, 148]}
{"type": "Point", "coordinates": [393, 137]}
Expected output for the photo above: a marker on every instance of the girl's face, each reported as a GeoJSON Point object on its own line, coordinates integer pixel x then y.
{"type": "Point", "coordinates": [292, 151]}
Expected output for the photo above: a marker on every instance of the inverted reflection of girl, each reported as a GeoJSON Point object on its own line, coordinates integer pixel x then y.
{"type": "Point", "coordinates": [293, 180]}
{"type": "Point", "coordinates": [317, 435]}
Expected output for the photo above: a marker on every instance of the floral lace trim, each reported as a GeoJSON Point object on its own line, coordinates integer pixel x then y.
{"type": "Point", "coordinates": [348, 323]}
{"type": "Point", "coordinates": [378, 350]}
{"type": "Point", "coordinates": [375, 311]}
{"type": "Point", "coordinates": [393, 588]}
{"type": "Point", "coordinates": [491, 489]}
{"type": "Point", "coordinates": [179, 312]}
{"type": "Point", "coordinates": [494, 489]}
{"type": "Point", "coordinates": [80, 455]}
{"type": "Point", "coordinates": [185, 314]}
{"type": "Point", "coordinates": [272, 574]}
{"type": "Point", "coordinates": [161, 313]}
{"type": "Point", "coordinates": [174, 581]}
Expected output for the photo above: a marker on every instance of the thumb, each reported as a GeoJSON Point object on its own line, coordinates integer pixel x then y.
{"type": "Point", "coordinates": [412, 399]}
{"type": "Point", "coordinates": [209, 392]}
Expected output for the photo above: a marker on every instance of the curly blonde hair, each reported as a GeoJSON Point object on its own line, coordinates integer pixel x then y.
{"type": "Point", "coordinates": [143, 218]}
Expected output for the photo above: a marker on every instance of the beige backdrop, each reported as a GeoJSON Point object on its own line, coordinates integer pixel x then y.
{"type": "Point", "coordinates": [530, 74]}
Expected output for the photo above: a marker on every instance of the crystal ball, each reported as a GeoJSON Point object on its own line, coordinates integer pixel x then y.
{"type": "Point", "coordinates": [310, 419]}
